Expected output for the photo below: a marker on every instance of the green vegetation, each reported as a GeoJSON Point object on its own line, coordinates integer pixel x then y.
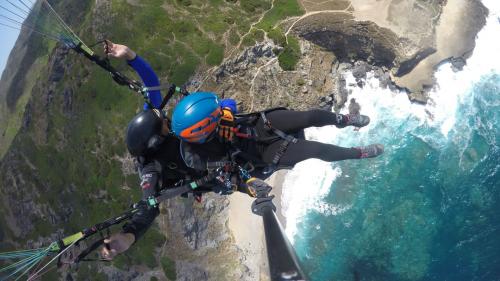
{"type": "Point", "coordinates": [301, 82]}
{"type": "Point", "coordinates": [234, 38]}
{"type": "Point", "coordinates": [255, 35]}
{"type": "Point", "coordinates": [10, 122]}
{"type": "Point", "coordinates": [50, 276]}
{"type": "Point", "coordinates": [281, 10]}
{"type": "Point", "coordinates": [252, 6]}
{"type": "Point", "coordinates": [277, 35]}
{"type": "Point", "coordinates": [290, 55]}
{"type": "Point", "coordinates": [215, 56]}
{"type": "Point", "coordinates": [74, 148]}
{"type": "Point", "coordinates": [177, 44]}
{"type": "Point", "coordinates": [186, 3]}
{"type": "Point", "coordinates": [87, 271]}
{"type": "Point", "coordinates": [168, 266]}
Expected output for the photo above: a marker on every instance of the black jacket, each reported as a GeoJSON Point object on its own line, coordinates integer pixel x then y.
{"type": "Point", "coordinates": [160, 170]}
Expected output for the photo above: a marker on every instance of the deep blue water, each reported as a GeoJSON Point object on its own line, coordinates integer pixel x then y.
{"type": "Point", "coordinates": [429, 209]}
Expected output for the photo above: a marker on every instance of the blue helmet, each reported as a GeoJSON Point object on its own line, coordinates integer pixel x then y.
{"type": "Point", "coordinates": [196, 117]}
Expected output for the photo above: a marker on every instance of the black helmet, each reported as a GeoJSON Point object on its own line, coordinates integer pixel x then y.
{"type": "Point", "coordinates": [143, 132]}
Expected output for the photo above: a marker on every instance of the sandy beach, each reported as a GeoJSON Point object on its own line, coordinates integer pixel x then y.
{"type": "Point", "coordinates": [248, 231]}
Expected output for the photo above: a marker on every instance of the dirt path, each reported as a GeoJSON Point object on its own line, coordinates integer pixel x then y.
{"type": "Point", "coordinates": [209, 72]}
{"type": "Point", "coordinates": [308, 14]}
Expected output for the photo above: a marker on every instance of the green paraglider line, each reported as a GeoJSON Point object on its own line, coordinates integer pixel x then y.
{"type": "Point", "coordinates": [34, 256]}
{"type": "Point", "coordinates": [20, 254]}
{"type": "Point", "coordinates": [24, 264]}
{"type": "Point", "coordinates": [27, 22]}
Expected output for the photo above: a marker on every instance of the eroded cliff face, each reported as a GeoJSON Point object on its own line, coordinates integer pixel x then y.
{"type": "Point", "coordinates": [410, 38]}
{"type": "Point", "coordinates": [255, 79]}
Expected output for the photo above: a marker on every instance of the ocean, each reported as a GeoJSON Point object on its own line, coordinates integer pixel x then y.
{"type": "Point", "coordinates": [429, 208]}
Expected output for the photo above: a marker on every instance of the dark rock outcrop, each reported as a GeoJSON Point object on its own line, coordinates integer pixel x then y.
{"type": "Point", "coordinates": [242, 62]}
{"type": "Point", "coordinates": [407, 66]}
{"type": "Point", "coordinates": [458, 63]}
{"type": "Point", "coordinates": [352, 40]}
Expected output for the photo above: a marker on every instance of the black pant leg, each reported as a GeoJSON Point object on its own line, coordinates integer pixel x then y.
{"type": "Point", "coordinates": [304, 149]}
{"type": "Point", "coordinates": [290, 121]}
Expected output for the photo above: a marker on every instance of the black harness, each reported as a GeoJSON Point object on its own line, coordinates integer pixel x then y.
{"type": "Point", "coordinates": [248, 122]}
{"type": "Point", "coordinates": [287, 139]}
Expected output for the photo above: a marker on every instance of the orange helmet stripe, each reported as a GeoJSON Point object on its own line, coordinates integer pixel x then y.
{"type": "Point", "coordinates": [201, 129]}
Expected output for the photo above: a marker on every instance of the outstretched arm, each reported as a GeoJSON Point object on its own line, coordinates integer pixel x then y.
{"type": "Point", "coordinates": [141, 221]}
{"type": "Point", "coordinates": [143, 69]}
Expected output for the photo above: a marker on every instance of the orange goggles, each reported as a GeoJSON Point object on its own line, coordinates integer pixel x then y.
{"type": "Point", "coordinates": [201, 130]}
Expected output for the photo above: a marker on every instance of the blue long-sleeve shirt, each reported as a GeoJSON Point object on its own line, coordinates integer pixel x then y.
{"type": "Point", "coordinates": [149, 78]}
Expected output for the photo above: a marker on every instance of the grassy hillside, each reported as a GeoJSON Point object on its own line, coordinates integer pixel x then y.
{"type": "Point", "coordinates": [64, 163]}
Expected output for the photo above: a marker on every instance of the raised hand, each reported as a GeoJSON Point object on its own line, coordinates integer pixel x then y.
{"type": "Point", "coordinates": [118, 51]}
{"type": "Point", "coordinates": [116, 244]}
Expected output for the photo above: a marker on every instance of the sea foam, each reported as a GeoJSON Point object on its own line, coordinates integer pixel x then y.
{"type": "Point", "coordinates": [390, 112]}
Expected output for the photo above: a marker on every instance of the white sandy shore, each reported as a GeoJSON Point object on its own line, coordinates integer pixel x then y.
{"type": "Point", "coordinates": [248, 231]}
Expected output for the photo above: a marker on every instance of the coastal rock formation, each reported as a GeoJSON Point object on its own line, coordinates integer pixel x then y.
{"type": "Point", "coordinates": [455, 40]}
{"type": "Point", "coordinates": [256, 80]}
{"type": "Point", "coordinates": [409, 37]}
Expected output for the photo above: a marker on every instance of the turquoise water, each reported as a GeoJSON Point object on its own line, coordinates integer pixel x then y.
{"type": "Point", "coordinates": [425, 211]}
{"type": "Point", "coordinates": [429, 208]}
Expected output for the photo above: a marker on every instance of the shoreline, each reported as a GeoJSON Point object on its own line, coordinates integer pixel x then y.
{"type": "Point", "coordinates": [455, 40]}
{"type": "Point", "coordinates": [451, 46]}
{"type": "Point", "coordinates": [246, 227]}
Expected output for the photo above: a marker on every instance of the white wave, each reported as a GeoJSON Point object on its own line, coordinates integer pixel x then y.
{"type": "Point", "coordinates": [391, 114]}
{"type": "Point", "coordinates": [328, 209]}
{"type": "Point", "coordinates": [304, 187]}
{"type": "Point", "coordinates": [453, 88]}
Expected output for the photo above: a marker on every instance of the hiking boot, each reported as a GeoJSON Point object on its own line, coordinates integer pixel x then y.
{"type": "Point", "coordinates": [370, 151]}
{"type": "Point", "coordinates": [357, 120]}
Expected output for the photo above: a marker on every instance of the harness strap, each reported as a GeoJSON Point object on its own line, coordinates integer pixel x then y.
{"type": "Point", "coordinates": [168, 96]}
{"type": "Point", "coordinates": [287, 139]}
{"type": "Point", "coordinates": [218, 164]}
{"type": "Point", "coordinates": [172, 89]}
{"type": "Point", "coordinates": [254, 161]}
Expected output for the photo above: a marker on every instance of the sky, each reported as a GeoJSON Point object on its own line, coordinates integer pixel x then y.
{"type": "Point", "coordinates": [12, 13]}
{"type": "Point", "coordinates": [8, 37]}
